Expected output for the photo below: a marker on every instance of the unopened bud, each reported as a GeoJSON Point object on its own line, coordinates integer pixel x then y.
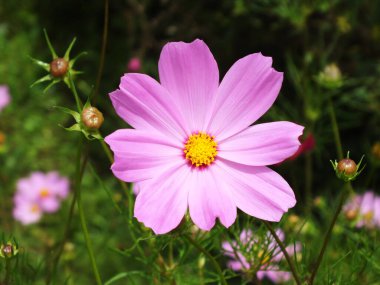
{"type": "Point", "coordinates": [346, 169]}
{"type": "Point", "coordinates": [92, 118]}
{"type": "Point", "coordinates": [376, 150]}
{"type": "Point", "coordinates": [351, 214]}
{"type": "Point", "coordinates": [59, 67]}
{"type": "Point", "coordinates": [8, 250]}
{"type": "Point", "coordinates": [347, 166]}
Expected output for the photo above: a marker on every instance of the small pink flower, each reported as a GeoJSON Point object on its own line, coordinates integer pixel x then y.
{"type": "Point", "coordinates": [241, 255]}
{"type": "Point", "coordinates": [134, 65]}
{"type": "Point", "coordinates": [5, 97]}
{"type": "Point", "coordinates": [40, 191]}
{"type": "Point", "coordinates": [193, 145]}
{"type": "Point", "coordinates": [364, 209]}
{"type": "Point", "coordinates": [26, 211]}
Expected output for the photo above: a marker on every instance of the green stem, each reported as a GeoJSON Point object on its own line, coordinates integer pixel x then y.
{"type": "Point", "coordinates": [83, 218]}
{"type": "Point", "coordinates": [326, 240]}
{"type": "Point", "coordinates": [210, 257]}
{"type": "Point", "coordinates": [76, 96]}
{"type": "Point", "coordinates": [308, 182]}
{"type": "Point", "coordinates": [335, 128]}
{"type": "Point", "coordinates": [102, 52]}
{"type": "Point", "coordinates": [67, 228]}
{"type": "Point", "coordinates": [283, 249]}
{"type": "Point", "coordinates": [8, 271]}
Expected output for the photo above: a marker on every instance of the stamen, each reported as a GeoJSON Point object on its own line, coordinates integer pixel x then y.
{"type": "Point", "coordinates": [200, 149]}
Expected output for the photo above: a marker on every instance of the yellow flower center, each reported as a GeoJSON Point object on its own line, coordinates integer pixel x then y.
{"type": "Point", "coordinates": [34, 208]}
{"type": "Point", "coordinates": [200, 149]}
{"type": "Point", "coordinates": [44, 192]}
{"type": "Point", "coordinates": [368, 216]}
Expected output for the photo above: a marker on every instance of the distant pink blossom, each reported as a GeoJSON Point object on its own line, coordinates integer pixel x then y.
{"type": "Point", "coordinates": [241, 255]}
{"type": "Point", "coordinates": [26, 211]}
{"type": "Point", "coordinates": [134, 65]}
{"type": "Point", "coordinates": [39, 193]}
{"type": "Point", "coordinates": [193, 146]}
{"type": "Point", "coordinates": [364, 209]}
{"type": "Point", "coordinates": [5, 97]}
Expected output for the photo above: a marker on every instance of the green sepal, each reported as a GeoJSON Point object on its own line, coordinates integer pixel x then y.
{"type": "Point", "coordinates": [52, 51]}
{"type": "Point", "coordinates": [67, 53]}
{"type": "Point", "coordinates": [40, 63]}
{"type": "Point", "coordinates": [75, 114]}
{"type": "Point", "coordinates": [55, 81]}
{"type": "Point", "coordinates": [42, 79]}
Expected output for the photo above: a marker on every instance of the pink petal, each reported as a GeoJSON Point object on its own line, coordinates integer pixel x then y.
{"type": "Point", "coordinates": [190, 73]}
{"type": "Point", "coordinates": [262, 144]}
{"type": "Point", "coordinates": [162, 202]}
{"type": "Point", "coordinates": [140, 155]}
{"type": "Point", "coordinates": [247, 91]}
{"type": "Point", "coordinates": [256, 190]}
{"type": "Point", "coordinates": [49, 204]}
{"type": "Point", "coordinates": [144, 104]}
{"type": "Point", "coordinates": [209, 199]}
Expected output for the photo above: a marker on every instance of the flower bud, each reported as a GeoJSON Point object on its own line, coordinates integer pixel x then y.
{"type": "Point", "coordinates": [134, 65]}
{"type": "Point", "coordinates": [92, 118]}
{"type": "Point", "coordinates": [59, 67]}
{"type": "Point", "coordinates": [8, 250]}
{"type": "Point", "coordinates": [351, 214]}
{"type": "Point", "coordinates": [346, 169]}
{"type": "Point", "coordinates": [347, 166]}
{"type": "Point", "coordinates": [330, 77]}
{"type": "Point", "coordinates": [376, 150]}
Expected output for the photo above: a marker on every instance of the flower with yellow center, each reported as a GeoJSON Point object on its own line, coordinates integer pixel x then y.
{"type": "Point", "coordinates": [44, 193]}
{"type": "Point", "coordinates": [34, 208]}
{"type": "Point", "coordinates": [200, 149]}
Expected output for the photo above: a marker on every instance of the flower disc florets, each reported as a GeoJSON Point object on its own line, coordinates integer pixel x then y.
{"type": "Point", "coordinates": [200, 149]}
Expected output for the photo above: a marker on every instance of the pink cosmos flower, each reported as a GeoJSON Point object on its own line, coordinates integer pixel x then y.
{"type": "Point", "coordinates": [134, 64]}
{"type": "Point", "coordinates": [271, 256]}
{"type": "Point", "coordinates": [364, 209]}
{"type": "Point", "coordinates": [39, 193]}
{"type": "Point", "coordinates": [26, 211]}
{"type": "Point", "coordinates": [5, 98]}
{"type": "Point", "coordinates": [193, 146]}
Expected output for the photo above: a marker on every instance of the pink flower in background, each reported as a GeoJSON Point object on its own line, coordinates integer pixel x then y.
{"type": "Point", "coordinates": [5, 97]}
{"type": "Point", "coordinates": [193, 146]}
{"type": "Point", "coordinates": [306, 146]}
{"type": "Point", "coordinates": [134, 65]}
{"type": "Point", "coordinates": [364, 210]}
{"type": "Point", "coordinates": [271, 255]}
{"type": "Point", "coordinates": [26, 211]}
{"type": "Point", "coordinates": [39, 193]}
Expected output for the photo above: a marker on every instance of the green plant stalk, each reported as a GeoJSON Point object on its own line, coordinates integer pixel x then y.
{"type": "Point", "coordinates": [82, 216]}
{"type": "Point", "coordinates": [335, 128]}
{"type": "Point", "coordinates": [210, 257]}
{"type": "Point", "coordinates": [283, 249]}
{"type": "Point", "coordinates": [308, 182]}
{"type": "Point", "coordinates": [67, 228]}
{"type": "Point", "coordinates": [326, 240]}
{"type": "Point", "coordinates": [102, 52]}
{"type": "Point", "coordinates": [8, 271]}
{"type": "Point", "coordinates": [76, 96]}
{"type": "Point", "coordinates": [343, 195]}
